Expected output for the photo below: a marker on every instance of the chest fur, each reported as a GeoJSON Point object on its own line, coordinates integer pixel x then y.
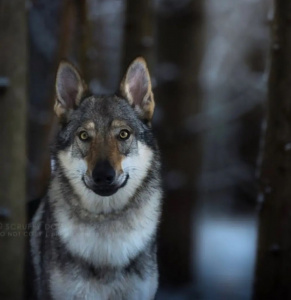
{"type": "Point", "coordinates": [70, 286]}
{"type": "Point", "coordinates": [113, 242]}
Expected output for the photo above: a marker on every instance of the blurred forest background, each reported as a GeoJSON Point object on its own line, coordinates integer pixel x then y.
{"type": "Point", "coordinates": [223, 128]}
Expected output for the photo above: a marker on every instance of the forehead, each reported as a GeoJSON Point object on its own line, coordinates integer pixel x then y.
{"type": "Point", "coordinates": [102, 112]}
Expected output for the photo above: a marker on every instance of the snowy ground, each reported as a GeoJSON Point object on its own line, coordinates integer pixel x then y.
{"type": "Point", "coordinates": [225, 258]}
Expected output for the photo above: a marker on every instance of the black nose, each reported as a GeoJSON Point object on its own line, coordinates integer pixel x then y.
{"type": "Point", "coordinates": [103, 173]}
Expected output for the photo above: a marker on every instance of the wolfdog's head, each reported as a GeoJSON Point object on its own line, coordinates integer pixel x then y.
{"type": "Point", "coordinates": [105, 146]}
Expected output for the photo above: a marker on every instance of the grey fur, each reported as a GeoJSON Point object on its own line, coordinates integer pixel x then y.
{"type": "Point", "coordinates": [63, 264]}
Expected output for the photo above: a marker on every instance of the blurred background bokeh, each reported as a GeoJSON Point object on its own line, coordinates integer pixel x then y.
{"type": "Point", "coordinates": [209, 62]}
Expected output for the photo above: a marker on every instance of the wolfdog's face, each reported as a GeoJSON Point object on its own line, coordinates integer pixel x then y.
{"type": "Point", "coordinates": [105, 146]}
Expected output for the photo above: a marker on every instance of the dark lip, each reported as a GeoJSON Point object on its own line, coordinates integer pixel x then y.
{"type": "Point", "coordinates": [106, 191]}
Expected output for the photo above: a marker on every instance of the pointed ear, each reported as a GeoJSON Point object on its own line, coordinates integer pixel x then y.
{"type": "Point", "coordinates": [69, 89]}
{"type": "Point", "coordinates": [137, 89]}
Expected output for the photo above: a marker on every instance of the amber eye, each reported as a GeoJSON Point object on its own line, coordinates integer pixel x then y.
{"type": "Point", "coordinates": [124, 134]}
{"type": "Point", "coordinates": [83, 135]}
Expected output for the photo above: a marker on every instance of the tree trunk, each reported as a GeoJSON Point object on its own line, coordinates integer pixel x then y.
{"type": "Point", "coordinates": [274, 244]}
{"type": "Point", "coordinates": [138, 33]}
{"type": "Point", "coordinates": [179, 46]}
{"type": "Point", "coordinates": [45, 22]}
{"type": "Point", "coordinates": [105, 29]}
{"type": "Point", "coordinates": [13, 58]}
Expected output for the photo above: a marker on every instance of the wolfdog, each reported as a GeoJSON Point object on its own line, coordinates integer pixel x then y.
{"type": "Point", "coordinates": [94, 233]}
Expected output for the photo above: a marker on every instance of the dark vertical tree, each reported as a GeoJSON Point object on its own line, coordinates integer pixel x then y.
{"type": "Point", "coordinates": [105, 29]}
{"type": "Point", "coordinates": [274, 243]}
{"type": "Point", "coordinates": [13, 98]}
{"type": "Point", "coordinates": [179, 46]}
{"type": "Point", "coordinates": [138, 31]}
{"type": "Point", "coordinates": [44, 21]}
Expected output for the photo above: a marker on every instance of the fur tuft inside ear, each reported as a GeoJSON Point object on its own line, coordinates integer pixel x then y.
{"type": "Point", "coordinates": [137, 89]}
{"type": "Point", "coordinates": [69, 89]}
